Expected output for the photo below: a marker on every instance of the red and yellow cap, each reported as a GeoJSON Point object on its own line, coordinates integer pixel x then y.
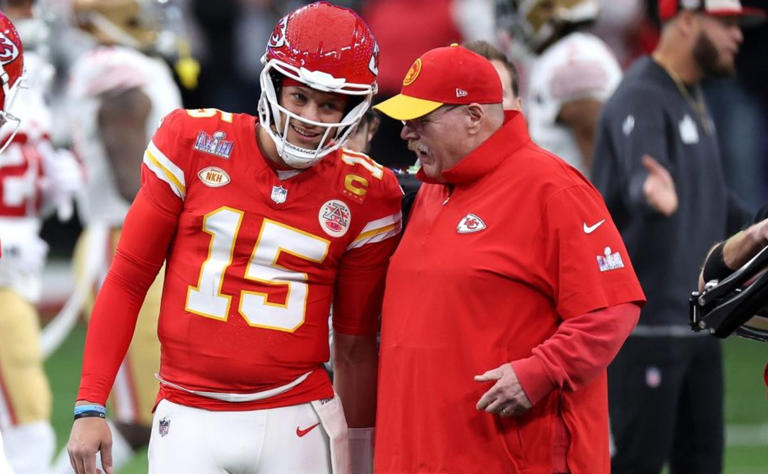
{"type": "Point", "coordinates": [447, 75]}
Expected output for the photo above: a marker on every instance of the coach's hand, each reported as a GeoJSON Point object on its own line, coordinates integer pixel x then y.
{"type": "Point", "coordinates": [659, 187]}
{"type": "Point", "coordinates": [88, 437]}
{"type": "Point", "coordinates": [506, 397]}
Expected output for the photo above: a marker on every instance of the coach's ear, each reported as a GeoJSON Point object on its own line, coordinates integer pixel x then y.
{"type": "Point", "coordinates": [475, 114]}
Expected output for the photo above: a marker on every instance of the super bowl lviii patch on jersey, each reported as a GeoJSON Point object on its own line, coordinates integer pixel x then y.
{"type": "Point", "coordinates": [334, 217]}
{"type": "Point", "coordinates": [609, 261]}
{"type": "Point", "coordinates": [214, 144]}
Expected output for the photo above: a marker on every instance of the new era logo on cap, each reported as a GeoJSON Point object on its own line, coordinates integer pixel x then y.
{"type": "Point", "coordinates": [450, 75]}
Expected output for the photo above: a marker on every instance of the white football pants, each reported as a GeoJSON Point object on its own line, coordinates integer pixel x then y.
{"type": "Point", "coordinates": [5, 468]}
{"type": "Point", "coordinates": [280, 440]}
{"type": "Point", "coordinates": [30, 447]}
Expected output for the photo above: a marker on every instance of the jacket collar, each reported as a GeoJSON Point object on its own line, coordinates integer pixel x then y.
{"type": "Point", "coordinates": [511, 136]}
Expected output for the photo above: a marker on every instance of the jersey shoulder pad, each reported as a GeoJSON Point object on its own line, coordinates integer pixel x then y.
{"type": "Point", "coordinates": [184, 137]}
{"type": "Point", "coordinates": [364, 178]}
{"type": "Point", "coordinates": [582, 66]}
{"type": "Point", "coordinates": [168, 153]}
{"type": "Point", "coordinates": [212, 131]}
{"type": "Point", "coordinates": [106, 69]}
{"type": "Point", "coordinates": [203, 130]}
{"type": "Point", "coordinates": [378, 197]}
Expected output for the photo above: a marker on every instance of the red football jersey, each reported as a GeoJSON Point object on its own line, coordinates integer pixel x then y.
{"type": "Point", "coordinates": [256, 261]}
{"type": "Point", "coordinates": [21, 179]}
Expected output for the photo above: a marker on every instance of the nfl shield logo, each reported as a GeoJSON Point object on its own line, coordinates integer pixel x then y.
{"type": "Point", "coordinates": [163, 426]}
{"type": "Point", "coordinates": [279, 194]}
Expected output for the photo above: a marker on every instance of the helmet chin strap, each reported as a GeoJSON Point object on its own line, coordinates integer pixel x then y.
{"type": "Point", "coordinates": [299, 157]}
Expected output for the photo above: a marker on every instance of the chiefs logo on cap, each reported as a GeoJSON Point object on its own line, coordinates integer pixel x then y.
{"type": "Point", "coordinates": [413, 73]}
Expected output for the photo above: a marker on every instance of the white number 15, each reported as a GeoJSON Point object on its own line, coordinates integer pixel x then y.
{"type": "Point", "coordinates": [206, 299]}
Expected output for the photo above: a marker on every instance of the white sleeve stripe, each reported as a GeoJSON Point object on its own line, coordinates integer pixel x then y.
{"type": "Point", "coordinates": [379, 223]}
{"type": "Point", "coordinates": [378, 230]}
{"type": "Point", "coordinates": [167, 164]}
{"type": "Point", "coordinates": [164, 175]}
{"type": "Point", "coordinates": [371, 233]}
{"type": "Point", "coordinates": [372, 238]}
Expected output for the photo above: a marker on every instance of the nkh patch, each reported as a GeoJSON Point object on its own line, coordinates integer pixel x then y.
{"type": "Point", "coordinates": [163, 426]}
{"type": "Point", "coordinates": [609, 261]}
{"type": "Point", "coordinates": [214, 144]}
{"type": "Point", "coordinates": [213, 176]}
{"type": "Point", "coordinates": [470, 223]}
{"type": "Point", "coordinates": [335, 217]}
{"type": "Point", "coordinates": [279, 194]}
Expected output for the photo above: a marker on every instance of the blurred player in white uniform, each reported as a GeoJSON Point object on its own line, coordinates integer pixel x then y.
{"type": "Point", "coordinates": [117, 96]}
{"type": "Point", "coordinates": [571, 74]}
{"type": "Point", "coordinates": [35, 180]}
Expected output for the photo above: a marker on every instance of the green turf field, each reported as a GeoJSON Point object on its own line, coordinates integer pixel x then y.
{"type": "Point", "coordinates": [746, 405]}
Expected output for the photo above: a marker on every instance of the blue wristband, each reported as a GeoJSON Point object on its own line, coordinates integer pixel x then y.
{"type": "Point", "coordinates": [80, 409]}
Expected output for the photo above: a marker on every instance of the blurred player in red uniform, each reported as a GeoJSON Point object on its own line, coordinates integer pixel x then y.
{"type": "Point", "coordinates": [35, 180]}
{"type": "Point", "coordinates": [262, 223]}
{"type": "Point", "coordinates": [11, 68]}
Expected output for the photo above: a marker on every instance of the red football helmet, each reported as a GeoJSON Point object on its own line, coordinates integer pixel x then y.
{"type": "Point", "coordinates": [327, 48]}
{"type": "Point", "coordinates": [11, 69]}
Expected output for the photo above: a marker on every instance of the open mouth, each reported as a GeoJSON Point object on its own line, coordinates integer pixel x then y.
{"type": "Point", "coordinates": [421, 150]}
{"type": "Point", "coordinates": [307, 135]}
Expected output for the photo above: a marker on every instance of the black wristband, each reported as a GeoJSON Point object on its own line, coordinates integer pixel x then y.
{"type": "Point", "coordinates": [715, 267]}
{"type": "Point", "coordinates": [90, 414]}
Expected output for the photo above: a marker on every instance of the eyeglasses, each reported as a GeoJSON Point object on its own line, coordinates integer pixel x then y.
{"type": "Point", "coordinates": [418, 124]}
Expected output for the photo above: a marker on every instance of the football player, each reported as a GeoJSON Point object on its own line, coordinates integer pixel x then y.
{"type": "Point", "coordinates": [262, 222]}
{"type": "Point", "coordinates": [571, 74]}
{"type": "Point", "coordinates": [34, 180]}
{"type": "Point", "coordinates": [11, 68]}
{"type": "Point", "coordinates": [118, 93]}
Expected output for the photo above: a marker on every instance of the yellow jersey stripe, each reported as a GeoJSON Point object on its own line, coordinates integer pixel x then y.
{"type": "Point", "coordinates": [171, 179]}
{"type": "Point", "coordinates": [371, 233]}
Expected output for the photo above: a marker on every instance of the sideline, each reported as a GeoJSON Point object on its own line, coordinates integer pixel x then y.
{"type": "Point", "coordinates": [746, 435]}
